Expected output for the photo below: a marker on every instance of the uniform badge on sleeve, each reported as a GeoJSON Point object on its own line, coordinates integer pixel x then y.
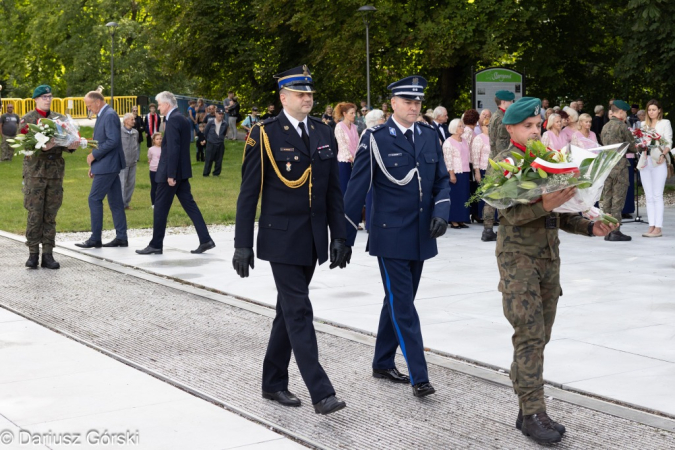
{"type": "Point", "coordinates": [250, 142]}
{"type": "Point", "coordinates": [392, 131]}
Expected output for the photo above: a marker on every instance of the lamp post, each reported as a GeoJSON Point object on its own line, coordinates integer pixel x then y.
{"type": "Point", "coordinates": [365, 10]}
{"type": "Point", "coordinates": [112, 26]}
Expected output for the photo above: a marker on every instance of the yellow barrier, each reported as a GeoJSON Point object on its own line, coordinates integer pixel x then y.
{"type": "Point", "coordinates": [70, 105]}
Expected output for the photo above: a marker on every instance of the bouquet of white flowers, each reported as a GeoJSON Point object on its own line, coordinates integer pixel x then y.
{"type": "Point", "coordinates": [62, 132]}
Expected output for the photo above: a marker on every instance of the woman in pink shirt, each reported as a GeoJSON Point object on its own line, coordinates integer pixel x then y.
{"type": "Point", "coordinates": [480, 154]}
{"type": "Point", "coordinates": [584, 137]}
{"type": "Point", "coordinates": [456, 156]}
{"type": "Point", "coordinates": [154, 153]}
{"type": "Point", "coordinates": [347, 137]}
{"type": "Point", "coordinates": [553, 138]}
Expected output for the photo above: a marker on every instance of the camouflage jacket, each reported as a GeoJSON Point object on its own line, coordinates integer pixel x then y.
{"type": "Point", "coordinates": [616, 132]}
{"type": "Point", "coordinates": [499, 137]}
{"type": "Point", "coordinates": [43, 164]}
{"type": "Point", "coordinates": [522, 228]}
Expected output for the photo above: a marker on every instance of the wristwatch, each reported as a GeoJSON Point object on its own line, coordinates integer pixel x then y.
{"type": "Point", "coordinates": [590, 229]}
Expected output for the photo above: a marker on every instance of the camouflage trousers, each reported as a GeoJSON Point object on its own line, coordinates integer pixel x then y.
{"type": "Point", "coordinates": [488, 217]}
{"type": "Point", "coordinates": [615, 190]}
{"type": "Point", "coordinates": [7, 151]}
{"type": "Point", "coordinates": [530, 289]}
{"type": "Point", "coordinates": [42, 198]}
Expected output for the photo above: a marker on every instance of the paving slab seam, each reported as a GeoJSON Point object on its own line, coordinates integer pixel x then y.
{"type": "Point", "coordinates": [487, 372]}
{"type": "Point", "coordinates": [172, 382]}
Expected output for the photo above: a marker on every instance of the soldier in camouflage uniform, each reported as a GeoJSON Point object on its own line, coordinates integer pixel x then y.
{"type": "Point", "coordinates": [499, 141]}
{"type": "Point", "coordinates": [43, 185]}
{"type": "Point", "coordinates": [616, 186]}
{"type": "Point", "coordinates": [529, 269]}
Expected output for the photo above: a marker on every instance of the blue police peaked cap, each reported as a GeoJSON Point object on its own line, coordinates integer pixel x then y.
{"type": "Point", "coordinates": [298, 79]}
{"type": "Point", "coordinates": [411, 88]}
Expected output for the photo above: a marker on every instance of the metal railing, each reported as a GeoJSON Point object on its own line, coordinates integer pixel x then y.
{"type": "Point", "coordinates": [70, 105]}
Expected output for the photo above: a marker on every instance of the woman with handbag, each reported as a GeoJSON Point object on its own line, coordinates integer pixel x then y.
{"type": "Point", "coordinates": [654, 168]}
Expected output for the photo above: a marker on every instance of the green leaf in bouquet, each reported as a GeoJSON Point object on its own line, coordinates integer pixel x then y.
{"type": "Point", "coordinates": [34, 128]}
{"type": "Point", "coordinates": [542, 173]}
{"type": "Point", "coordinates": [585, 165]}
{"type": "Point", "coordinates": [496, 195]}
{"type": "Point", "coordinates": [494, 165]}
{"type": "Point", "coordinates": [585, 185]}
{"type": "Point", "coordinates": [517, 156]}
{"type": "Point", "coordinates": [573, 180]}
{"type": "Point", "coordinates": [507, 166]}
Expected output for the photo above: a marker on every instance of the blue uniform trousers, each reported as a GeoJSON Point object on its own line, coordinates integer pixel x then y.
{"type": "Point", "coordinates": [293, 330]}
{"type": "Point", "coordinates": [399, 322]}
{"type": "Point", "coordinates": [107, 184]}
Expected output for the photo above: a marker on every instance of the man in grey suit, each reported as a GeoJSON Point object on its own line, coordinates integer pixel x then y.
{"type": "Point", "coordinates": [105, 164]}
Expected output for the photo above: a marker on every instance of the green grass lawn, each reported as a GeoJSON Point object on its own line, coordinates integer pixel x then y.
{"type": "Point", "coordinates": [216, 196]}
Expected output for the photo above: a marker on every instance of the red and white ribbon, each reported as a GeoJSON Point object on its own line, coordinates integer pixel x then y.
{"type": "Point", "coordinates": [554, 167]}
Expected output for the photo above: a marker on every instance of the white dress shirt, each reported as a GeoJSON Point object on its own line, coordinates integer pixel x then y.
{"type": "Point", "coordinates": [295, 122]}
{"type": "Point", "coordinates": [404, 129]}
{"type": "Point", "coordinates": [440, 127]}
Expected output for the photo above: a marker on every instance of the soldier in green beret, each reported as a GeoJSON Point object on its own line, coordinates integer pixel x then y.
{"type": "Point", "coordinates": [499, 141]}
{"type": "Point", "coordinates": [43, 185]}
{"type": "Point", "coordinates": [529, 271]}
{"type": "Point", "coordinates": [616, 186]}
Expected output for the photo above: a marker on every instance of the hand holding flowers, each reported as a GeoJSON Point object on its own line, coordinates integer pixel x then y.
{"type": "Point", "coordinates": [47, 134]}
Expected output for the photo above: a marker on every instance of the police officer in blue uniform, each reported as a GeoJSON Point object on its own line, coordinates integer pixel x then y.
{"type": "Point", "coordinates": [292, 159]}
{"type": "Point", "coordinates": [403, 162]}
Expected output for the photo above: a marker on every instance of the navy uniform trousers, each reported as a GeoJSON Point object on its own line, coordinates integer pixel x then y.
{"type": "Point", "coordinates": [399, 322]}
{"type": "Point", "coordinates": [293, 330]}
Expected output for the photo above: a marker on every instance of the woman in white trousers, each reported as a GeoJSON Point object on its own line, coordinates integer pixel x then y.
{"type": "Point", "coordinates": [655, 173]}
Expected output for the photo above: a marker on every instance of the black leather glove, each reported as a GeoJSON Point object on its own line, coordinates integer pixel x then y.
{"type": "Point", "coordinates": [340, 253]}
{"type": "Point", "coordinates": [438, 227]}
{"type": "Point", "coordinates": [242, 259]}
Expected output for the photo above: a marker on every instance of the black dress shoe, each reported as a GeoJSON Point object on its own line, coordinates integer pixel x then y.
{"type": "Point", "coordinates": [329, 405]}
{"type": "Point", "coordinates": [455, 227]}
{"type": "Point", "coordinates": [117, 243]}
{"type": "Point", "coordinates": [48, 261]}
{"type": "Point", "coordinates": [204, 247]}
{"type": "Point", "coordinates": [423, 389]}
{"type": "Point", "coordinates": [285, 397]}
{"type": "Point", "coordinates": [488, 235]}
{"type": "Point", "coordinates": [150, 251]}
{"type": "Point", "coordinates": [89, 244]}
{"type": "Point", "coordinates": [558, 427]}
{"type": "Point", "coordinates": [33, 260]}
{"type": "Point", "coordinates": [391, 375]}
{"type": "Point", "coordinates": [626, 216]}
{"type": "Point", "coordinates": [539, 428]}
{"type": "Point", "coordinates": [463, 225]}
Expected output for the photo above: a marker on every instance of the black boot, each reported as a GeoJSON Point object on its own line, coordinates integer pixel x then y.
{"type": "Point", "coordinates": [558, 427]}
{"type": "Point", "coordinates": [48, 261]}
{"type": "Point", "coordinates": [539, 427]}
{"type": "Point", "coordinates": [488, 235]}
{"type": "Point", "coordinates": [617, 236]}
{"type": "Point", "coordinates": [33, 260]}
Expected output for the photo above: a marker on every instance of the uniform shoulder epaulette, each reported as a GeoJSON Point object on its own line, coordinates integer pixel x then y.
{"type": "Point", "coordinates": [268, 120]}
{"type": "Point", "coordinates": [376, 128]}
{"type": "Point", "coordinates": [423, 123]}
{"type": "Point", "coordinates": [317, 120]}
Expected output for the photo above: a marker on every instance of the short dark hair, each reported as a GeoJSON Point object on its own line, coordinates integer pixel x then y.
{"type": "Point", "coordinates": [151, 105]}
{"type": "Point", "coordinates": [471, 117]}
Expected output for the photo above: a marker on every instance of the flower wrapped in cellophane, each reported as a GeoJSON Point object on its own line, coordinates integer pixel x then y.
{"type": "Point", "coordinates": [524, 178]}
{"type": "Point", "coordinates": [62, 132]}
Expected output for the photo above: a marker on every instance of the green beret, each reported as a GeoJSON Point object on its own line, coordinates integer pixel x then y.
{"type": "Point", "coordinates": [506, 96]}
{"type": "Point", "coordinates": [42, 89]}
{"type": "Point", "coordinates": [622, 105]}
{"type": "Point", "coordinates": [522, 109]}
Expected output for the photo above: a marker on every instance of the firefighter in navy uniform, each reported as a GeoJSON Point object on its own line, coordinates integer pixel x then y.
{"type": "Point", "coordinates": [403, 162]}
{"type": "Point", "coordinates": [292, 159]}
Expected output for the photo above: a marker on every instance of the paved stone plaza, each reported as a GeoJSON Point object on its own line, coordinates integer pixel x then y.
{"type": "Point", "coordinates": [212, 345]}
{"type": "Point", "coordinates": [613, 338]}
{"type": "Point", "coordinates": [614, 334]}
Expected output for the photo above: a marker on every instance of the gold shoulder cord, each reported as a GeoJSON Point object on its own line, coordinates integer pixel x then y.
{"type": "Point", "coordinates": [265, 147]}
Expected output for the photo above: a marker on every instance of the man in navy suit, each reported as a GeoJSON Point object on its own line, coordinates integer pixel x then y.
{"type": "Point", "coordinates": [105, 164]}
{"type": "Point", "coordinates": [173, 177]}
{"type": "Point", "coordinates": [297, 172]}
{"type": "Point", "coordinates": [402, 161]}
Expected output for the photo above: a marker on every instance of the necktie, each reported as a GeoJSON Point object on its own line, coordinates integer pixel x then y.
{"type": "Point", "coordinates": [305, 137]}
{"type": "Point", "coordinates": [409, 136]}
